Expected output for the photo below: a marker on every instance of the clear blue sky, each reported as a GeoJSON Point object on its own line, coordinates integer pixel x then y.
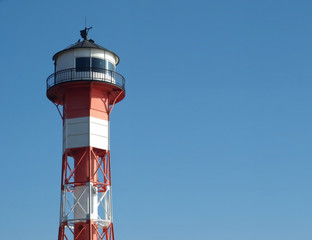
{"type": "Point", "coordinates": [213, 140]}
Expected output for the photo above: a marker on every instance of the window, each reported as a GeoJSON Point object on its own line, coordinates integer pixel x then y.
{"type": "Point", "coordinates": [98, 63]}
{"type": "Point", "coordinates": [82, 64]}
{"type": "Point", "coordinates": [110, 66]}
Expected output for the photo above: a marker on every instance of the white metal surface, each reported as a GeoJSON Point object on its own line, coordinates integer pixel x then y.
{"type": "Point", "coordinates": [67, 59]}
{"type": "Point", "coordinates": [86, 131]}
{"type": "Point", "coordinates": [76, 205]}
{"type": "Point", "coordinates": [85, 202]}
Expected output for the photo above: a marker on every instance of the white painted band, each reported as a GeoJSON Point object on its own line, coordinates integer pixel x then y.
{"type": "Point", "coordinates": [85, 132]}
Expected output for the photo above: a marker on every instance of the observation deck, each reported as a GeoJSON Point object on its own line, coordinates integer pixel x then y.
{"type": "Point", "coordinates": [89, 74]}
{"type": "Point", "coordinates": [58, 81]}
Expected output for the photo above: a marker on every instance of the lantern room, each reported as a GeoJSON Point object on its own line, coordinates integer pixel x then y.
{"type": "Point", "coordinates": [84, 56]}
{"type": "Point", "coordinates": [85, 61]}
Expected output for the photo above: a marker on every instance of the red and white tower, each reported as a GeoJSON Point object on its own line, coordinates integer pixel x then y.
{"type": "Point", "coordinates": [87, 86]}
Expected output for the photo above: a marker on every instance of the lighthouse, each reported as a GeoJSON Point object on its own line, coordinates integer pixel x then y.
{"type": "Point", "coordinates": [85, 87]}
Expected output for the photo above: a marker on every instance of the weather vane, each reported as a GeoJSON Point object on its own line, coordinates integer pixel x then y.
{"type": "Point", "coordinates": [84, 32]}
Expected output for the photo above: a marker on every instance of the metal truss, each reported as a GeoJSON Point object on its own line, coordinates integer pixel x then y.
{"type": "Point", "coordinates": [87, 204]}
{"type": "Point", "coordinates": [99, 209]}
{"type": "Point", "coordinates": [67, 232]}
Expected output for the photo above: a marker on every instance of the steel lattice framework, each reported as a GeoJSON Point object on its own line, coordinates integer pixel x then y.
{"type": "Point", "coordinates": [99, 184]}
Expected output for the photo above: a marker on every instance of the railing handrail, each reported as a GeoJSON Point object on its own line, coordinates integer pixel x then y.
{"type": "Point", "coordinates": [86, 74]}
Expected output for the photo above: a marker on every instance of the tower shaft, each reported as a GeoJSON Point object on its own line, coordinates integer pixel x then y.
{"type": "Point", "coordinates": [86, 207]}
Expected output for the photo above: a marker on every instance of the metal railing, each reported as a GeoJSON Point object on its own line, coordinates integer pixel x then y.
{"type": "Point", "coordinates": [86, 74]}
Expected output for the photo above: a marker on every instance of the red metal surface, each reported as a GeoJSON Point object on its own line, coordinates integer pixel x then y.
{"type": "Point", "coordinates": [88, 230]}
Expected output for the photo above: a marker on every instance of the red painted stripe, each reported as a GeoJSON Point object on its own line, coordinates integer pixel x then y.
{"type": "Point", "coordinates": [85, 101]}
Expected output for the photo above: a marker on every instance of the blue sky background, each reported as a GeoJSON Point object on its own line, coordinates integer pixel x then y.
{"type": "Point", "coordinates": [213, 139]}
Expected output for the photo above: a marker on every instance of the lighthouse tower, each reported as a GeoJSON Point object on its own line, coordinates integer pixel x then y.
{"type": "Point", "coordinates": [85, 86]}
